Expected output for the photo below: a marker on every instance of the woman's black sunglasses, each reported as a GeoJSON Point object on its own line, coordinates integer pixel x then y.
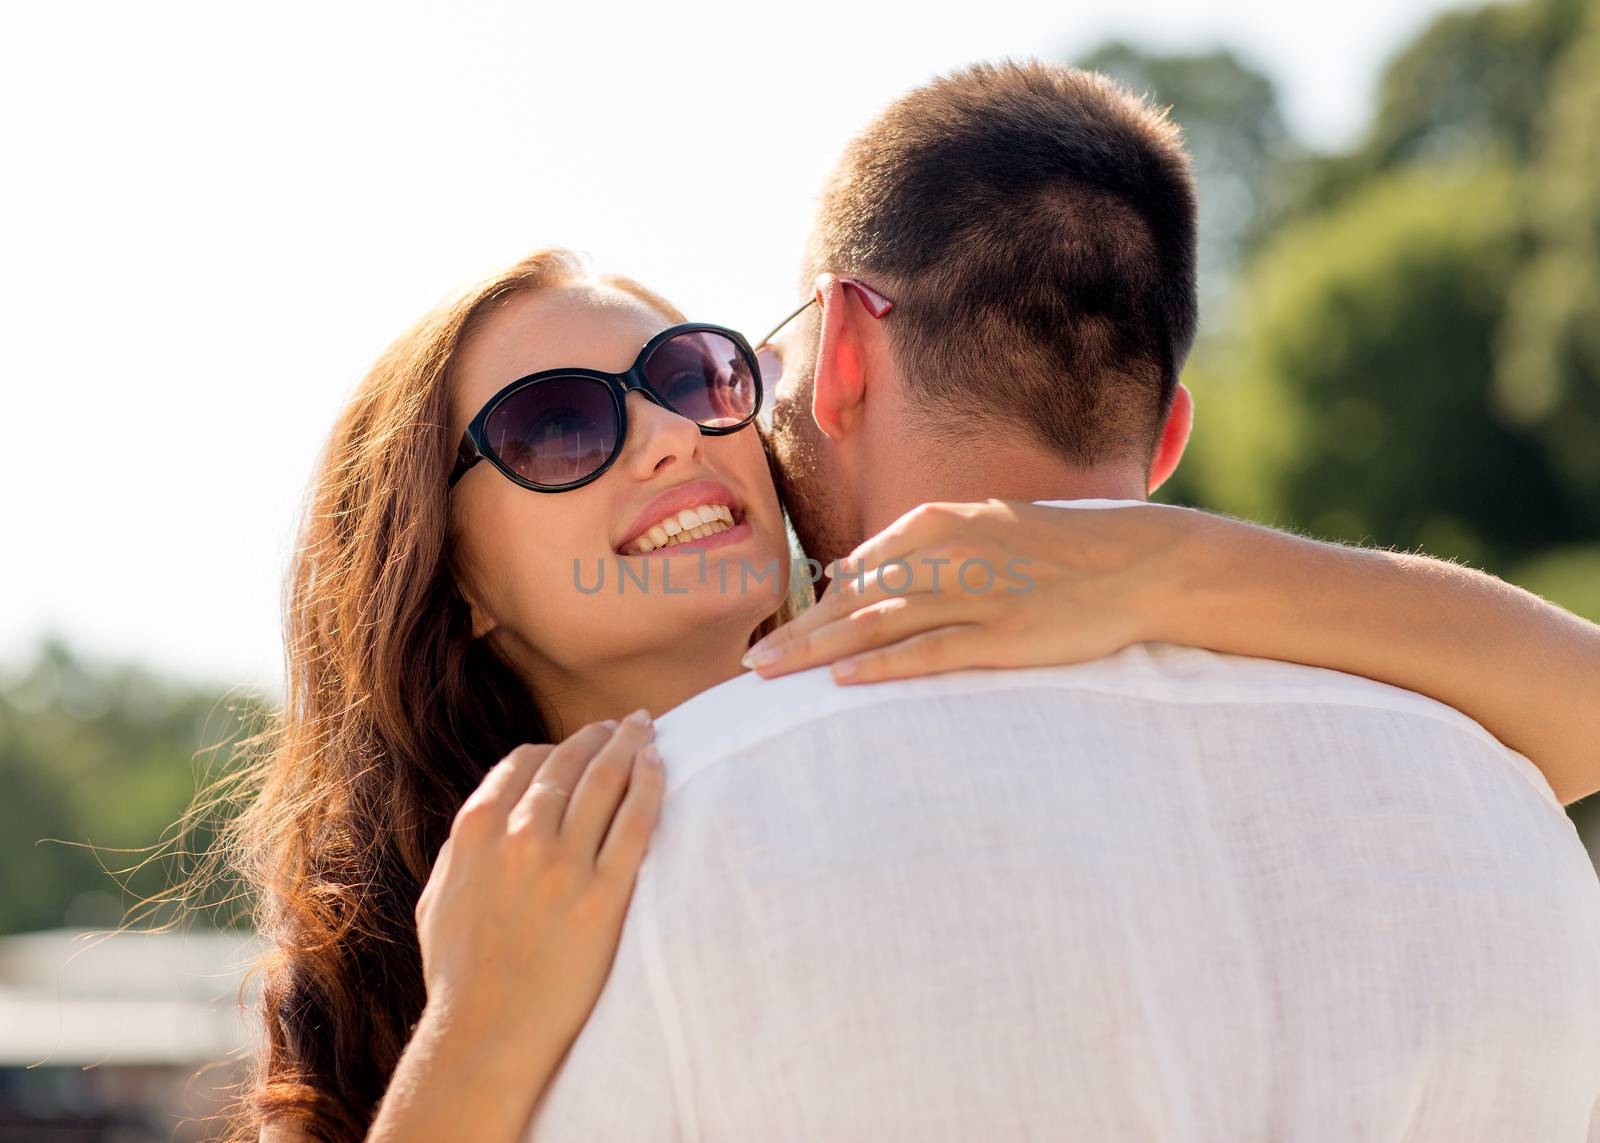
{"type": "Point", "coordinates": [561, 428]}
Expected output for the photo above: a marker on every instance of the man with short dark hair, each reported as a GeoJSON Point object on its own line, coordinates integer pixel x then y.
{"type": "Point", "coordinates": [1167, 895]}
{"type": "Point", "coordinates": [1034, 229]}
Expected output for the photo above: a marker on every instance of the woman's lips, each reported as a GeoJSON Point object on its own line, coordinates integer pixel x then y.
{"type": "Point", "coordinates": [690, 495]}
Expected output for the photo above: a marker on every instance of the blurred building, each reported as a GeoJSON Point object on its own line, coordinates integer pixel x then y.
{"type": "Point", "coordinates": [124, 1037]}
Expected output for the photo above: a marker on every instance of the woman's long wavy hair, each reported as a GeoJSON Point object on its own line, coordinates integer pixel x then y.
{"type": "Point", "coordinates": [392, 714]}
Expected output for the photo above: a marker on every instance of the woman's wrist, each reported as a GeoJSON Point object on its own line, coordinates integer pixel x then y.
{"type": "Point", "coordinates": [480, 1042]}
{"type": "Point", "coordinates": [463, 1077]}
{"type": "Point", "coordinates": [1210, 581]}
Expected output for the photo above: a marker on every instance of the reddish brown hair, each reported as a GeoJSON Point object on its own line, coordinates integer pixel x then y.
{"type": "Point", "coordinates": [392, 714]}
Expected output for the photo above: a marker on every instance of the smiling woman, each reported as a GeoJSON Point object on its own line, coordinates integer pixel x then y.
{"type": "Point", "coordinates": [435, 628]}
{"type": "Point", "coordinates": [517, 548]}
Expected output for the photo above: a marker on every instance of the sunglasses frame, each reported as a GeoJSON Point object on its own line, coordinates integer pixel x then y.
{"type": "Point", "coordinates": [475, 446]}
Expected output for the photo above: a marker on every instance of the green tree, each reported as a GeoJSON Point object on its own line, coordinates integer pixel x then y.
{"type": "Point", "coordinates": [1358, 401]}
{"type": "Point", "coordinates": [1234, 127]}
{"type": "Point", "coordinates": [1475, 81]}
{"type": "Point", "coordinates": [1472, 87]}
{"type": "Point", "coordinates": [1548, 370]}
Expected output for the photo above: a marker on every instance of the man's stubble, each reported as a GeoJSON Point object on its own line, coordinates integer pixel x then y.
{"type": "Point", "coordinates": [806, 480]}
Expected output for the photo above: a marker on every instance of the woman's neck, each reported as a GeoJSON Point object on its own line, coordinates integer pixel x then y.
{"type": "Point", "coordinates": [655, 680]}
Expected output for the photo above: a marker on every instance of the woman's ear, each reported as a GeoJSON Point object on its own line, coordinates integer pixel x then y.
{"type": "Point", "coordinates": [477, 615]}
{"type": "Point", "coordinates": [839, 382]}
{"type": "Point", "coordinates": [1174, 437]}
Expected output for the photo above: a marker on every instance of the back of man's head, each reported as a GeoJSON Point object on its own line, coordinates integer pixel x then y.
{"type": "Point", "coordinates": [1035, 228]}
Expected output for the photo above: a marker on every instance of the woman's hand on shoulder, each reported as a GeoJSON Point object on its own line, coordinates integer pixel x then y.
{"type": "Point", "coordinates": [518, 925]}
{"type": "Point", "coordinates": [994, 584]}
{"type": "Point", "coordinates": [520, 918]}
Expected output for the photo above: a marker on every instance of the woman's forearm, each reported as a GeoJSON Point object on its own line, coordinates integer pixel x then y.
{"type": "Point", "coordinates": [1526, 670]}
{"type": "Point", "coordinates": [453, 1082]}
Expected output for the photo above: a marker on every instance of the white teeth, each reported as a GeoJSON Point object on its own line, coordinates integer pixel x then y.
{"type": "Point", "coordinates": [688, 524]}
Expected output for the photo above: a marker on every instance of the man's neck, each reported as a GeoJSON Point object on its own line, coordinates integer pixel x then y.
{"type": "Point", "coordinates": [1009, 472]}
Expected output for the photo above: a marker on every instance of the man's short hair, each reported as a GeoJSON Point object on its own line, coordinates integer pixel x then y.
{"type": "Point", "coordinates": [1035, 227]}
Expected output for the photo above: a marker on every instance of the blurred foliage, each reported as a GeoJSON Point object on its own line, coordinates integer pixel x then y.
{"type": "Point", "coordinates": [1474, 84]}
{"type": "Point", "coordinates": [1413, 353]}
{"type": "Point", "coordinates": [1548, 372]}
{"type": "Point", "coordinates": [1476, 79]}
{"type": "Point", "coordinates": [97, 763]}
{"type": "Point", "coordinates": [1570, 575]}
{"type": "Point", "coordinates": [1235, 131]}
{"type": "Point", "coordinates": [1358, 405]}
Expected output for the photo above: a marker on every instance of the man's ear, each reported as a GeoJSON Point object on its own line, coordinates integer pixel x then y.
{"type": "Point", "coordinates": [1174, 437]}
{"type": "Point", "coordinates": [839, 383]}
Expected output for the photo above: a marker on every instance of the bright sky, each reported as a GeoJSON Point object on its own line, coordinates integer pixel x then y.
{"type": "Point", "coordinates": [217, 215]}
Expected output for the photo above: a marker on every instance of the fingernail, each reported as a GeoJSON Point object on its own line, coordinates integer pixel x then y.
{"type": "Point", "coordinates": [846, 668]}
{"type": "Point", "coordinates": [767, 658]}
{"type": "Point", "coordinates": [640, 717]}
{"type": "Point", "coordinates": [609, 724]}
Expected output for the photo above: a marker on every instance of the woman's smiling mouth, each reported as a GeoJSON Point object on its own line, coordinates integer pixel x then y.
{"type": "Point", "coordinates": [686, 515]}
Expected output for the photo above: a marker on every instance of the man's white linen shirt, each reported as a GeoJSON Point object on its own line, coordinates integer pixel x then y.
{"type": "Point", "coordinates": [1168, 895]}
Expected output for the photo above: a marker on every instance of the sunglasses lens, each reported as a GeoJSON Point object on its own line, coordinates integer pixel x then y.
{"type": "Point", "coordinates": [705, 377]}
{"type": "Point", "coordinates": [555, 431]}
{"type": "Point", "coordinates": [771, 367]}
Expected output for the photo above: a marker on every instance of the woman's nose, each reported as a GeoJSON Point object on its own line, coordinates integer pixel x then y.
{"type": "Point", "coordinates": [657, 437]}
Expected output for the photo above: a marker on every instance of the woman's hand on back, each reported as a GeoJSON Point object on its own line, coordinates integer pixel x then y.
{"type": "Point", "coordinates": [991, 584]}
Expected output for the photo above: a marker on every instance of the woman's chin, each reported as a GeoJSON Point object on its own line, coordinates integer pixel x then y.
{"type": "Point", "coordinates": [696, 595]}
{"type": "Point", "coordinates": [737, 569]}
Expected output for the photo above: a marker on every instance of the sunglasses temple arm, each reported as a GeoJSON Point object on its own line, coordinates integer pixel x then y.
{"type": "Point", "coordinates": [773, 333]}
{"type": "Point", "coordinates": [467, 455]}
